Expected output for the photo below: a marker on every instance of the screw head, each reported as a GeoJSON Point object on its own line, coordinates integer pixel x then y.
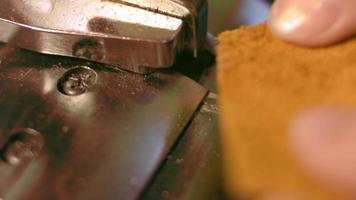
{"type": "Point", "coordinates": [24, 145]}
{"type": "Point", "coordinates": [90, 49]}
{"type": "Point", "coordinates": [77, 81]}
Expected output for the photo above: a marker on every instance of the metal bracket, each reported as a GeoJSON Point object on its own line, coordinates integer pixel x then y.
{"type": "Point", "coordinates": [136, 35]}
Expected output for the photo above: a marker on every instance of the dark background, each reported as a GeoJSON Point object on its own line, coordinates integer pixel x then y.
{"type": "Point", "coordinates": [230, 14]}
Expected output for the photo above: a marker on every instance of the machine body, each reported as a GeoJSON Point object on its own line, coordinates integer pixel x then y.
{"type": "Point", "coordinates": [79, 120]}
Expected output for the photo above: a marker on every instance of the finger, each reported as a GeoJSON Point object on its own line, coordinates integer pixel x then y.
{"type": "Point", "coordinates": [324, 142]}
{"type": "Point", "coordinates": [313, 22]}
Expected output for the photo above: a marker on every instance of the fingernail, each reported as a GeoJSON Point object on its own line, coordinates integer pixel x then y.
{"type": "Point", "coordinates": [302, 20]}
{"type": "Point", "coordinates": [323, 141]}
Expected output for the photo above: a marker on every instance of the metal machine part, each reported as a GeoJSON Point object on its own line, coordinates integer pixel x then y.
{"type": "Point", "coordinates": [192, 169]}
{"type": "Point", "coordinates": [136, 35]}
{"type": "Point", "coordinates": [102, 137]}
{"type": "Point", "coordinates": [76, 129]}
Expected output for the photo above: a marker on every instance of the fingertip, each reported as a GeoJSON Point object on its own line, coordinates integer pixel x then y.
{"type": "Point", "coordinates": [323, 141]}
{"type": "Point", "coordinates": [313, 23]}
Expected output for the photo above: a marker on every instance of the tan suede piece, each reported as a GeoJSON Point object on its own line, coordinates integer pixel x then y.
{"type": "Point", "coordinates": [263, 83]}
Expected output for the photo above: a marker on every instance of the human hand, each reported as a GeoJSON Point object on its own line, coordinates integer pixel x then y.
{"type": "Point", "coordinates": [323, 139]}
{"type": "Point", "coordinates": [313, 22]}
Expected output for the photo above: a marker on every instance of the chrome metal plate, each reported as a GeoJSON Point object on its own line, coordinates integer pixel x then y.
{"type": "Point", "coordinates": [131, 34]}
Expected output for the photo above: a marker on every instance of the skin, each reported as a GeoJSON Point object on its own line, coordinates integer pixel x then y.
{"type": "Point", "coordinates": [313, 22]}
{"type": "Point", "coordinates": [323, 139]}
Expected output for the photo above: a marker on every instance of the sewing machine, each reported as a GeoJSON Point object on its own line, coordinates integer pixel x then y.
{"type": "Point", "coordinates": [107, 100]}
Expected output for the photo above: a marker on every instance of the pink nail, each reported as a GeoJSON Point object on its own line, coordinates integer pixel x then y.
{"type": "Point", "coordinates": [304, 21]}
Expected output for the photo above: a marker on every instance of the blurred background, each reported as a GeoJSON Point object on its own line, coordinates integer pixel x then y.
{"type": "Point", "coordinates": [230, 14]}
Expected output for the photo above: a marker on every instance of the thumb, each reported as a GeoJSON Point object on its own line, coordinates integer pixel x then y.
{"type": "Point", "coordinates": [313, 22]}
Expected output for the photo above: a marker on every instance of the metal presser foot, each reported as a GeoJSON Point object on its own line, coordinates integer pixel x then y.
{"type": "Point", "coordinates": [79, 120]}
{"type": "Point", "coordinates": [130, 34]}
